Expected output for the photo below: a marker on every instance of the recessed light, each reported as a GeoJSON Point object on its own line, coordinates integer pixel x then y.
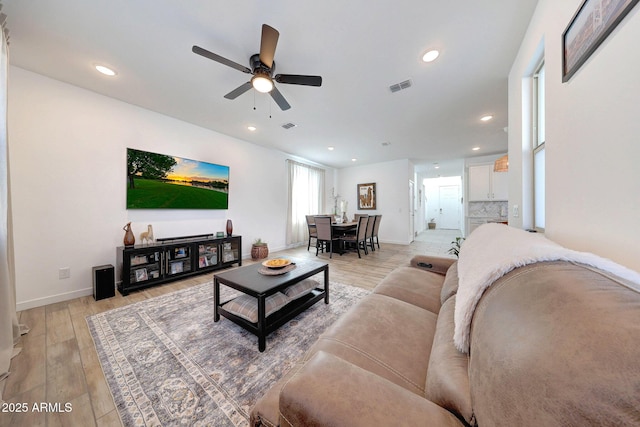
{"type": "Point", "coordinates": [354, 160]}
{"type": "Point", "coordinates": [330, 148]}
{"type": "Point", "coordinates": [251, 128]}
{"type": "Point", "coordinates": [486, 118]}
{"type": "Point", "coordinates": [475, 148]}
{"type": "Point", "coordinates": [430, 56]}
{"type": "Point", "coordinates": [105, 70]}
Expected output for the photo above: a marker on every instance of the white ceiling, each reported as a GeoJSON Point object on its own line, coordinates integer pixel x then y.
{"type": "Point", "coordinates": [359, 48]}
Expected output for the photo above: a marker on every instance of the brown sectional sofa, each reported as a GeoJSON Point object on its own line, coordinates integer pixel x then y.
{"type": "Point", "coordinates": [551, 343]}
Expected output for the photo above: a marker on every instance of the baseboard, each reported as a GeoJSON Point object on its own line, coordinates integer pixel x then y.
{"type": "Point", "coordinates": [396, 242]}
{"type": "Point", "coordinates": [39, 302]}
{"type": "Point", "coordinates": [273, 249]}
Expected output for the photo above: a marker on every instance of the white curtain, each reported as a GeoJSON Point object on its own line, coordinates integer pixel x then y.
{"type": "Point", "coordinates": [306, 193]}
{"type": "Point", "coordinates": [9, 327]}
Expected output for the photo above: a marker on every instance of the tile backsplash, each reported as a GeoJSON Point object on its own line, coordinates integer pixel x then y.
{"type": "Point", "coordinates": [488, 209]}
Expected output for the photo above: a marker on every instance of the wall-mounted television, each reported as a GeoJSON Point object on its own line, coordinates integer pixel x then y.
{"type": "Point", "coordinates": [159, 181]}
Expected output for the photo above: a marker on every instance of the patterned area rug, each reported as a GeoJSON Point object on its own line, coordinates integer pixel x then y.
{"type": "Point", "coordinates": [167, 363]}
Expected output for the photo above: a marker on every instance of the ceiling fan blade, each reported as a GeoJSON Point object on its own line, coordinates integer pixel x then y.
{"type": "Point", "coordinates": [295, 79]}
{"type": "Point", "coordinates": [277, 96]}
{"type": "Point", "coordinates": [220, 59]}
{"type": "Point", "coordinates": [268, 44]}
{"type": "Point", "coordinates": [239, 91]}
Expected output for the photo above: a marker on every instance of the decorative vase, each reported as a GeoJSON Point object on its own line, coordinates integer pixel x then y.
{"type": "Point", "coordinates": [129, 238]}
{"type": "Point", "coordinates": [229, 228]}
{"type": "Point", "coordinates": [259, 251]}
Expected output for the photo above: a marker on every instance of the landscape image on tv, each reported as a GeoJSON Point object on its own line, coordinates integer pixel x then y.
{"type": "Point", "coordinates": [158, 181]}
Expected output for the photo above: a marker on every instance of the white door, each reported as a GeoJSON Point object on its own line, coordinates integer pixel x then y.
{"type": "Point", "coordinates": [412, 210]}
{"type": "Point", "coordinates": [449, 207]}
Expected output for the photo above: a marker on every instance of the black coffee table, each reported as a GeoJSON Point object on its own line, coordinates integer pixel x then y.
{"type": "Point", "coordinates": [249, 281]}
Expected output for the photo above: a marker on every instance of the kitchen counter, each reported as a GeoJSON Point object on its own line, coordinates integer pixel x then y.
{"type": "Point", "coordinates": [479, 213]}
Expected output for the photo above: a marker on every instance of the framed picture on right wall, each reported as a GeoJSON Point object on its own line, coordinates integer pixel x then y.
{"type": "Point", "coordinates": [589, 27]}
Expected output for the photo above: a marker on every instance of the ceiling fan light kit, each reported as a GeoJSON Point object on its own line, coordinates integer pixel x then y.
{"type": "Point", "coordinates": [262, 83]}
{"type": "Point", "coordinates": [262, 69]}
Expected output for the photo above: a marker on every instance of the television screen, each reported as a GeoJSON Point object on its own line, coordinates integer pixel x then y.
{"type": "Point", "coordinates": [158, 181]}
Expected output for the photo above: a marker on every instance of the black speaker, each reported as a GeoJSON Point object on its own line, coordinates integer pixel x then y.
{"type": "Point", "coordinates": [104, 285]}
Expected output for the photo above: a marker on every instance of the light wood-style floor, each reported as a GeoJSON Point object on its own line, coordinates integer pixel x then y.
{"type": "Point", "coordinates": [59, 363]}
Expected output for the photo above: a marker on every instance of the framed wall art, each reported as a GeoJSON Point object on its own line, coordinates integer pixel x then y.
{"type": "Point", "coordinates": [367, 196]}
{"type": "Point", "coordinates": [589, 27]}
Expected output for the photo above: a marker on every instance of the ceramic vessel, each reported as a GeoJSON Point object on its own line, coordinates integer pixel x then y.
{"type": "Point", "coordinates": [259, 251]}
{"type": "Point", "coordinates": [229, 228]}
{"type": "Point", "coordinates": [129, 238]}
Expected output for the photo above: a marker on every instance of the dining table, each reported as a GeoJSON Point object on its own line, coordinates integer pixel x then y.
{"type": "Point", "coordinates": [344, 226]}
{"type": "Point", "coordinates": [340, 229]}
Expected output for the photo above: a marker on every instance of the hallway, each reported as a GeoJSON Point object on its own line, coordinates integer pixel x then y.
{"type": "Point", "coordinates": [436, 242]}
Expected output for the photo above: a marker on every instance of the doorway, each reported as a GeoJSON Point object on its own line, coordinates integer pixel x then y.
{"type": "Point", "coordinates": [412, 211]}
{"type": "Point", "coordinates": [444, 202]}
{"type": "Point", "coordinates": [449, 217]}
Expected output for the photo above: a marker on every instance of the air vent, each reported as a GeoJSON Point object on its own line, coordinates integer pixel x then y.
{"type": "Point", "coordinates": [288, 125]}
{"type": "Point", "coordinates": [400, 86]}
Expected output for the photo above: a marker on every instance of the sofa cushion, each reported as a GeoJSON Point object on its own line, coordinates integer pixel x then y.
{"type": "Point", "coordinates": [265, 412]}
{"type": "Point", "coordinates": [329, 391]}
{"type": "Point", "coordinates": [386, 336]}
{"type": "Point", "coordinates": [448, 373]}
{"type": "Point", "coordinates": [414, 286]}
{"type": "Point", "coordinates": [300, 289]}
{"type": "Point", "coordinates": [563, 340]}
{"type": "Point", "coordinates": [246, 306]}
{"type": "Point", "coordinates": [450, 285]}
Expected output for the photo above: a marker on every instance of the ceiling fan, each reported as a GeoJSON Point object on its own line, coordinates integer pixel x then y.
{"type": "Point", "coordinates": [262, 69]}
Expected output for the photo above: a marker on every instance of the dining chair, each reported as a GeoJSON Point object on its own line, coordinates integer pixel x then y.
{"type": "Point", "coordinates": [360, 238]}
{"type": "Point", "coordinates": [376, 227]}
{"type": "Point", "coordinates": [369, 233]}
{"type": "Point", "coordinates": [311, 226]}
{"type": "Point", "coordinates": [357, 216]}
{"type": "Point", "coordinates": [325, 234]}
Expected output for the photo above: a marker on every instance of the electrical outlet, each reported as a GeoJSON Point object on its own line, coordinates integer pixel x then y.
{"type": "Point", "coordinates": [64, 273]}
{"type": "Point", "coordinates": [516, 211]}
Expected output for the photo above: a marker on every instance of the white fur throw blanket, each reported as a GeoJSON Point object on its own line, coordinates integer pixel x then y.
{"type": "Point", "coordinates": [492, 250]}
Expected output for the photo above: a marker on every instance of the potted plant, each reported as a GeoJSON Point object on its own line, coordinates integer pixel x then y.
{"type": "Point", "coordinates": [259, 249]}
{"type": "Point", "coordinates": [432, 224]}
{"type": "Point", "coordinates": [455, 248]}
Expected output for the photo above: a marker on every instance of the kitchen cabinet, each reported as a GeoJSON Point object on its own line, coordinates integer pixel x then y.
{"type": "Point", "coordinates": [487, 185]}
{"type": "Point", "coordinates": [473, 223]}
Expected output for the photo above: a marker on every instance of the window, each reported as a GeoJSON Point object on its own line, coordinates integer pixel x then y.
{"type": "Point", "coordinates": [539, 148]}
{"type": "Point", "coordinates": [306, 193]}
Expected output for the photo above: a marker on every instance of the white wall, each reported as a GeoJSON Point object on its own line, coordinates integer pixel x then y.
{"type": "Point", "coordinates": [67, 153]}
{"type": "Point", "coordinates": [592, 128]}
{"type": "Point", "coordinates": [392, 192]}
